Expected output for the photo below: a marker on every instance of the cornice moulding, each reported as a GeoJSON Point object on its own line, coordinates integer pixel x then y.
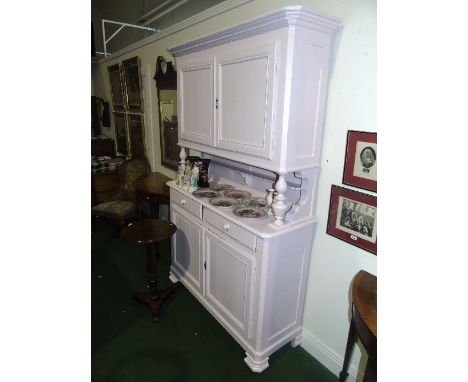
{"type": "Point", "coordinates": [282, 18]}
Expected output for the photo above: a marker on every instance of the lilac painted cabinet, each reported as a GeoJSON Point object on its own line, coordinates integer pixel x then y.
{"type": "Point", "coordinates": [252, 99]}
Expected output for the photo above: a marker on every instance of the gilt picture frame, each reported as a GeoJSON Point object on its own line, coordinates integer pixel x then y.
{"type": "Point", "coordinates": [121, 133]}
{"type": "Point", "coordinates": [360, 165]}
{"type": "Point", "coordinates": [116, 87]}
{"type": "Point", "coordinates": [136, 134]}
{"type": "Point", "coordinates": [132, 80]}
{"type": "Point", "coordinates": [352, 217]}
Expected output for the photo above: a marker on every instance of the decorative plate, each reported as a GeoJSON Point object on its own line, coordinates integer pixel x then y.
{"type": "Point", "coordinates": [221, 186]}
{"type": "Point", "coordinates": [205, 193]}
{"type": "Point", "coordinates": [249, 213]}
{"type": "Point", "coordinates": [255, 202]}
{"type": "Point", "coordinates": [224, 202]}
{"type": "Point", "coordinates": [236, 194]}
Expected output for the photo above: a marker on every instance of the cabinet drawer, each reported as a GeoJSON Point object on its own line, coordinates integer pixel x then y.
{"type": "Point", "coordinates": [186, 203]}
{"type": "Point", "coordinates": [231, 229]}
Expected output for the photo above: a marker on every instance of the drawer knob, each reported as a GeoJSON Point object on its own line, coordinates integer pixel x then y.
{"type": "Point", "coordinates": [183, 201]}
{"type": "Point", "coordinates": [226, 226]}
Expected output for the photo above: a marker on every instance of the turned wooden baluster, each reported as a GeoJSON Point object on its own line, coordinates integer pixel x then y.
{"type": "Point", "coordinates": [279, 206]}
{"type": "Point", "coordinates": [183, 156]}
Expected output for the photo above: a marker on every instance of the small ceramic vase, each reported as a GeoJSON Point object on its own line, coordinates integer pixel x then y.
{"type": "Point", "coordinates": [179, 176]}
{"type": "Point", "coordinates": [194, 178]}
{"type": "Point", "coordinates": [187, 176]}
{"type": "Point", "coordinates": [271, 192]}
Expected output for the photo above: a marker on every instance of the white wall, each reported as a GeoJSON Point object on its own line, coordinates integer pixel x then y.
{"type": "Point", "coordinates": [351, 105]}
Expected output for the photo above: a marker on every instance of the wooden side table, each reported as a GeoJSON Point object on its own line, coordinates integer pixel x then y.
{"type": "Point", "coordinates": [153, 189]}
{"type": "Point", "coordinates": [363, 323]}
{"type": "Point", "coordinates": [149, 232]}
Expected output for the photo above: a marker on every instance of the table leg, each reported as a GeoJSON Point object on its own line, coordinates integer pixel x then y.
{"type": "Point", "coordinates": [370, 375]}
{"type": "Point", "coordinates": [352, 337]}
{"type": "Point", "coordinates": [152, 270]}
{"type": "Point", "coordinates": [156, 297]}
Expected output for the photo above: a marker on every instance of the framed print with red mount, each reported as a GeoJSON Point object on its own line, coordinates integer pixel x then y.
{"type": "Point", "coordinates": [360, 168]}
{"type": "Point", "coordinates": [352, 217]}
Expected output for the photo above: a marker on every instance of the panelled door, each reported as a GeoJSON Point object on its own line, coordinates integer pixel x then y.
{"type": "Point", "coordinates": [244, 99]}
{"type": "Point", "coordinates": [196, 98]}
{"type": "Point", "coordinates": [229, 282]}
{"type": "Point", "coordinates": [187, 249]}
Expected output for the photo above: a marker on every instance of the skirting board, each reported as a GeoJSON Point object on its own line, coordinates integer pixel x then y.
{"type": "Point", "coordinates": [327, 357]}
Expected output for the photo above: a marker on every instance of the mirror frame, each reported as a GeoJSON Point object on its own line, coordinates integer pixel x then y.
{"type": "Point", "coordinates": [165, 80]}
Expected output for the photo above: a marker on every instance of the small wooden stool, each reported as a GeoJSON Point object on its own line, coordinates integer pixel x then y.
{"type": "Point", "coordinates": [149, 232]}
{"type": "Point", "coordinates": [363, 324]}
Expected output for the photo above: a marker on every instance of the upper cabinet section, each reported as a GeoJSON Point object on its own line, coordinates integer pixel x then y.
{"type": "Point", "coordinates": [255, 93]}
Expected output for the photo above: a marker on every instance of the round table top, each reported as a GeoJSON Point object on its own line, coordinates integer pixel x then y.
{"type": "Point", "coordinates": [148, 231]}
{"type": "Point", "coordinates": [154, 183]}
{"type": "Point", "coordinates": [365, 299]}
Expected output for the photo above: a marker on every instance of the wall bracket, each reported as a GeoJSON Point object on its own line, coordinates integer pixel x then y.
{"type": "Point", "coordinates": [122, 26]}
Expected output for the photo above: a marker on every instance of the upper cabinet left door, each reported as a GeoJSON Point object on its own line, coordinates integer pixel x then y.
{"type": "Point", "coordinates": [196, 101]}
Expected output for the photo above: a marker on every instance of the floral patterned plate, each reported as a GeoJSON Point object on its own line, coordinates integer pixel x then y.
{"type": "Point", "coordinates": [224, 202]}
{"type": "Point", "coordinates": [255, 202]}
{"type": "Point", "coordinates": [236, 194]}
{"type": "Point", "coordinates": [205, 193]}
{"type": "Point", "coordinates": [252, 213]}
{"type": "Point", "coordinates": [221, 186]}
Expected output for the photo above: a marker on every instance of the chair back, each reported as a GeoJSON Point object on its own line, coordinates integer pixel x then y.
{"type": "Point", "coordinates": [129, 172]}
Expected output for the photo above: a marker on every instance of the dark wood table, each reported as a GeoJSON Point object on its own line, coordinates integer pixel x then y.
{"type": "Point", "coordinates": [363, 323]}
{"type": "Point", "coordinates": [153, 189]}
{"type": "Point", "coordinates": [149, 232]}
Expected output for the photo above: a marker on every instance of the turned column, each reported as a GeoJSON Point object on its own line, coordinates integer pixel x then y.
{"type": "Point", "coordinates": [183, 156]}
{"type": "Point", "coordinates": [279, 206]}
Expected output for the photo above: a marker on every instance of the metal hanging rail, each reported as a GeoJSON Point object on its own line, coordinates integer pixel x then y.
{"type": "Point", "coordinates": [122, 26]}
{"type": "Point", "coordinates": [166, 11]}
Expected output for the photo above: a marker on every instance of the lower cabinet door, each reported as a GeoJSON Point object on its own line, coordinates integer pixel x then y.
{"type": "Point", "coordinates": [187, 249]}
{"type": "Point", "coordinates": [229, 283]}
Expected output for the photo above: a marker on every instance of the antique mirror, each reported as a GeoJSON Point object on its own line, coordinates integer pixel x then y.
{"type": "Point", "coordinates": [166, 85]}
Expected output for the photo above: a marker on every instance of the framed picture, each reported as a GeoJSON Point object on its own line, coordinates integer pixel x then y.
{"type": "Point", "coordinates": [352, 217]}
{"type": "Point", "coordinates": [132, 81]}
{"type": "Point", "coordinates": [360, 168]}
{"type": "Point", "coordinates": [121, 135]}
{"type": "Point", "coordinates": [136, 132]}
{"type": "Point", "coordinates": [116, 87]}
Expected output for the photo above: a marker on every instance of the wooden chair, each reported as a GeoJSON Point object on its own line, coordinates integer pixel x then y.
{"type": "Point", "coordinates": [123, 208]}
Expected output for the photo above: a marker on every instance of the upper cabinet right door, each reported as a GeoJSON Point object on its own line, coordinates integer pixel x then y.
{"type": "Point", "coordinates": [245, 90]}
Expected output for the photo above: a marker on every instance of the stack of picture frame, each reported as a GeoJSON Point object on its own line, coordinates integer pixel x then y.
{"type": "Point", "coordinates": [352, 215]}
{"type": "Point", "coordinates": [127, 101]}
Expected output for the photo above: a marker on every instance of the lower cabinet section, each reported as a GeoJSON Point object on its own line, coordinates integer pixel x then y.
{"type": "Point", "coordinates": [256, 295]}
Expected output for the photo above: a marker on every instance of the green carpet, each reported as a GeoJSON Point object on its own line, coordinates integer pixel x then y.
{"type": "Point", "coordinates": [188, 344]}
